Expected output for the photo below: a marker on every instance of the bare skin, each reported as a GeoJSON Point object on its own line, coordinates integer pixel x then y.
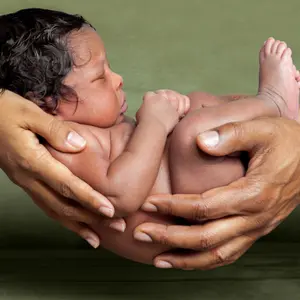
{"type": "Point", "coordinates": [239, 214]}
{"type": "Point", "coordinates": [28, 164]}
{"type": "Point", "coordinates": [114, 159]}
{"type": "Point", "coordinates": [245, 210]}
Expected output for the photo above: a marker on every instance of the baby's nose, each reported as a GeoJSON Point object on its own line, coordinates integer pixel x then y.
{"type": "Point", "coordinates": [118, 81]}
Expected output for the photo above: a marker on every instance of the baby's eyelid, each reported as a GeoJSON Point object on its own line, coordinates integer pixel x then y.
{"type": "Point", "coordinates": [100, 76]}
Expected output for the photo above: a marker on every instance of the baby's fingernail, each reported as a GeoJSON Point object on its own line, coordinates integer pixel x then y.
{"type": "Point", "coordinates": [118, 225]}
{"type": "Point", "coordinates": [149, 207]}
{"type": "Point", "coordinates": [75, 140]}
{"type": "Point", "coordinates": [163, 264]}
{"type": "Point", "coordinates": [143, 237]}
{"type": "Point", "coordinates": [92, 241]}
{"type": "Point", "coordinates": [106, 211]}
{"type": "Point", "coordinates": [209, 138]}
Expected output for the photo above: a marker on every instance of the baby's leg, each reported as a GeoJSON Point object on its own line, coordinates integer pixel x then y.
{"type": "Point", "coordinates": [125, 245]}
{"type": "Point", "coordinates": [192, 171]}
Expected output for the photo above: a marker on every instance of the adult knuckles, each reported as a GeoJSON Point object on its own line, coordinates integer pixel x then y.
{"type": "Point", "coordinates": [164, 236]}
{"type": "Point", "coordinates": [182, 263]}
{"type": "Point", "coordinates": [204, 242]}
{"type": "Point", "coordinates": [200, 211]}
{"type": "Point", "coordinates": [168, 206]}
{"type": "Point", "coordinates": [30, 159]}
{"type": "Point", "coordinates": [237, 130]}
{"type": "Point", "coordinates": [220, 257]}
{"type": "Point", "coordinates": [67, 211]}
{"type": "Point", "coordinates": [65, 190]}
{"type": "Point", "coordinates": [54, 127]}
{"type": "Point", "coordinates": [260, 193]}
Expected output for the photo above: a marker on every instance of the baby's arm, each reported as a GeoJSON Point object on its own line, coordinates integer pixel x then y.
{"type": "Point", "coordinates": [126, 178]}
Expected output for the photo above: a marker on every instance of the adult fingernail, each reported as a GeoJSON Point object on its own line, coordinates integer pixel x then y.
{"type": "Point", "coordinates": [163, 264]}
{"type": "Point", "coordinates": [103, 204]}
{"type": "Point", "coordinates": [106, 211]}
{"type": "Point", "coordinates": [93, 242]}
{"type": "Point", "coordinates": [143, 237]}
{"type": "Point", "coordinates": [75, 140]}
{"type": "Point", "coordinates": [149, 207]}
{"type": "Point", "coordinates": [118, 225]}
{"type": "Point", "coordinates": [210, 138]}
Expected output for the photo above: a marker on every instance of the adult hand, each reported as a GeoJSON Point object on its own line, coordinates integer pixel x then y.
{"type": "Point", "coordinates": [238, 214]}
{"type": "Point", "coordinates": [50, 184]}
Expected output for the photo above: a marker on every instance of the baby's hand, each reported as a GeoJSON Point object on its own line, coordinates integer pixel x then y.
{"type": "Point", "coordinates": [165, 106]}
{"type": "Point", "coordinates": [180, 102]}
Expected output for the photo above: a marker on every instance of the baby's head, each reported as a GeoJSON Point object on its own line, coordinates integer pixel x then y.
{"type": "Point", "coordinates": [58, 61]}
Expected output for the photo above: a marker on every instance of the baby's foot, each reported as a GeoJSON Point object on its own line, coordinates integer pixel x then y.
{"type": "Point", "coordinates": [278, 78]}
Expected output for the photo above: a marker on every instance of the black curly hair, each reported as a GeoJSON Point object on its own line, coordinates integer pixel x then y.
{"type": "Point", "coordinates": [34, 54]}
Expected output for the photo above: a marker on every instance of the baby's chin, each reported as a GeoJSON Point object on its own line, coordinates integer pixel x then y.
{"type": "Point", "coordinates": [121, 118]}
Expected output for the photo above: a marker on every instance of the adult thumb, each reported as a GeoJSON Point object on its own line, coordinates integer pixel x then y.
{"type": "Point", "coordinates": [57, 133]}
{"type": "Point", "coordinates": [236, 136]}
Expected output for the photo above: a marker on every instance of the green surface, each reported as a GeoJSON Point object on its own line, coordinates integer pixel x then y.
{"type": "Point", "coordinates": [183, 45]}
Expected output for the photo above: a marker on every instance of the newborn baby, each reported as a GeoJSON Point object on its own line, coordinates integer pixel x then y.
{"type": "Point", "coordinates": [58, 61]}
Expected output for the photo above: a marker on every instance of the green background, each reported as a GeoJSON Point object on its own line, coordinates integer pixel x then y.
{"type": "Point", "coordinates": [182, 45]}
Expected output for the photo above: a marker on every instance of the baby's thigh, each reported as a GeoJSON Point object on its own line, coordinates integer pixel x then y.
{"type": "Point", "coordinates": [125, 245]}
{"type": "Point", "coordinates": [191, 170]}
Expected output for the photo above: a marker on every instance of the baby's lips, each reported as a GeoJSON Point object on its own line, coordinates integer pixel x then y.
{"type": "Point", "coordinates": [187, 104]}
{"type": "Point", "coordinates": [124, 107]}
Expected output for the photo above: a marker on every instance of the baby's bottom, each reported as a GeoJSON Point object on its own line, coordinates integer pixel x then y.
{"type": "Point", "coordinates": [194, 169]}
{"type": "Point", "coordinates": [123, 244]}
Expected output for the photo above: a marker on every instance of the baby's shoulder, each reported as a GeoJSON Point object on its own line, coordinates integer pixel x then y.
{"type": "Point", "coordinates": [111, 142]}
{"type": "Point", "coordinates": [125, 128]}
{"type": "Point", "coordinates": [97, 138]}
{"type": "Point", "coordinates": [120, 135]}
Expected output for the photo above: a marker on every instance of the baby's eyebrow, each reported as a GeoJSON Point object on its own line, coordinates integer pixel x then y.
{"type": "Point", "coordinates": [97, 68]}
{"type": "Point", "coordinates": [98, 63]}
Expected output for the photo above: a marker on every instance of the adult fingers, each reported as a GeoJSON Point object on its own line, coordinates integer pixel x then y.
{"type": "Point", "coordinates": [80, 229]}
{"type": "Point", "coordinates": [61, 179]}
{"type": "Point", "coordinates": [199, 237]}
{"type": "Point", "coordinates": [237, 136]}
{"type": "Point", "coordinates": [58, 133]}
{"type": "Point", "coordinates": [220, 256]}
{"type": "Point", "coordinates": [241, 197]}
{"type": "Point", "coordinates": [64, 209]}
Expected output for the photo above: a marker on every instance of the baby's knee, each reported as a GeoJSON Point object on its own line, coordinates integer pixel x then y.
{"type": "Point", "coordinates": [192, 170]}
{"type": "Point", "coordinates": [184, 135]}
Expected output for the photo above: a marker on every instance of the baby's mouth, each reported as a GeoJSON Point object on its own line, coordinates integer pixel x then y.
{"type": "Point", "coordinates": [124, 107]}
